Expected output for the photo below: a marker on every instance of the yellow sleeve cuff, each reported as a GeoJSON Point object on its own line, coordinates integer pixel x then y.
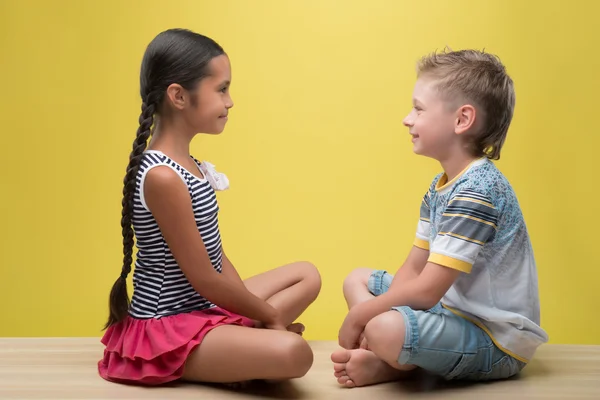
{"type": "Point", "coordinates": [423, 244]}
{"type": "Point", "coordinates": [450, 262]}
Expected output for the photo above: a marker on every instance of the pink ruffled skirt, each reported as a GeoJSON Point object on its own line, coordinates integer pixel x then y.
{"type": "Point", "coordinates": [154, 351]}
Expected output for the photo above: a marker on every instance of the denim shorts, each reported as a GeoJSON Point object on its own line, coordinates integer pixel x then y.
{"type": "Point", "coordinates": [446, 344]}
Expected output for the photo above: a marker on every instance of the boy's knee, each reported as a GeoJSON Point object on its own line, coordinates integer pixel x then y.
{"type": "Point", "coordinates": [358, 277]}
{"type": "Point", "coordinates": [385, 336]}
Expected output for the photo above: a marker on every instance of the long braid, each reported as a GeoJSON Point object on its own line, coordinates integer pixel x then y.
{"type": "Point", "coordinates": [119, 299]}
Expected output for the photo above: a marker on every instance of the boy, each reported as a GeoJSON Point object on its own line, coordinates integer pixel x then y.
{"type": "Point", "coordinates": [465, 303]}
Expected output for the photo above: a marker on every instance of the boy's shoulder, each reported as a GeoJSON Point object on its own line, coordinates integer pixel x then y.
{"type": "Point", "coordinates": [483, 179]}
{"type": "Point", "coordinates": [434, 183]}
{"type": "Point", "coordinates": [486, 180]}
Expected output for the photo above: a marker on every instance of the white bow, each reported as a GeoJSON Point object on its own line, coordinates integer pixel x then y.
{"type": "Point", "coordinates": [216, 179]}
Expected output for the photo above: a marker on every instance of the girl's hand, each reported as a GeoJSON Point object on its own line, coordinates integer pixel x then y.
{"type": "Point", "coordinates": [275, 323]}
{"type": "Point", "coordinates": [363, 342]}
{"type": "Point", "coordinates": [296, 327]}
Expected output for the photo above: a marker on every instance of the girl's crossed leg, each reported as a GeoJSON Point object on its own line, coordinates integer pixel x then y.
{"type": "Point", "coordinates": [231, 354]}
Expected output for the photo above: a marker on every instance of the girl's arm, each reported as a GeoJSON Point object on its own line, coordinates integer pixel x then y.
{"type": "Point", "coordinates": [229, 270]}
{"type": "Point", "coordinates": [169, 201]}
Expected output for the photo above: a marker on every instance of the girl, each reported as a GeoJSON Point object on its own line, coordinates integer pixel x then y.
{"type": "Point", "coordinates": [191, 316]}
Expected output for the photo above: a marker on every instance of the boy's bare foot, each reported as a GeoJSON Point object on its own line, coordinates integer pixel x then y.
{"type": "Point", "coordinates": [362, 367]}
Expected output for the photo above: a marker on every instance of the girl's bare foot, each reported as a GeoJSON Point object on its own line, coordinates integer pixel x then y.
{"type": "Point", "coordinates": [296, 327]}
{"type": "Point", "coordinates": [362, 367]}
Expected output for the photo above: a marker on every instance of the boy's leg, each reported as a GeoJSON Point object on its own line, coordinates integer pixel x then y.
{"type": "Point", "coordinates": [440, 342]}
{"type": "Point", "coordinates": [363, 367]}
{"type": "Point", "coordinates": [356, 287]}
{"type": "Point", "coordinates": [356, 290]}
{"type": "Point", "coordinates": [387, 335]}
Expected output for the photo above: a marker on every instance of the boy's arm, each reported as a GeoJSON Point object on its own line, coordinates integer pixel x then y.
{"type": "Point", "coordinates": [468, 222]}
{"type": "Point", "coordinates": [419, 293]}
{"type": "Point", "coordinates": [419, 253]}
{"type": "Point", "coordinates": [412, 267]}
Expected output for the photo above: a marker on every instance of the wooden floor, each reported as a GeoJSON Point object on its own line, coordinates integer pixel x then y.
{"type": "Point", "coordinates": [66, 369]}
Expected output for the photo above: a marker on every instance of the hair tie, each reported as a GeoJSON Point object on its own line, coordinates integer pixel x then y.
{"type": "Point", "coordinates": [124, 275]}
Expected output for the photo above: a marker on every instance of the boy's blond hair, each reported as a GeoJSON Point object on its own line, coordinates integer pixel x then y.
{"type": "Point", "coordinates": [478, 78]}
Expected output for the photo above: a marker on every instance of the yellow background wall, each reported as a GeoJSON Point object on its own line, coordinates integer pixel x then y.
{"type": "Point", "coordinates": [320, 165]}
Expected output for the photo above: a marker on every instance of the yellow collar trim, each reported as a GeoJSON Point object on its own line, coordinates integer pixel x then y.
{"type": "Point", "coordinates": [443, 183]}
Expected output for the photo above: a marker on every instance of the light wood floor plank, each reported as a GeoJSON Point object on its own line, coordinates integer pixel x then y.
{"type": "Point", "coordinates": [65, 368]}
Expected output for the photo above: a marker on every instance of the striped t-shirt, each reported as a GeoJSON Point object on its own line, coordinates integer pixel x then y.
{"type": "Point", "coordinates": [159, 286]}
{"type": "Point", "coordinates": [474, 224]}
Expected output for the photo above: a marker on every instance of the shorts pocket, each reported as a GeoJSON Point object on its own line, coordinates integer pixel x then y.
{"type": "Point", "coordinates": [463, 364]}
{"type": "Point", "coordinates": [474, 364]}
{"type": "Point", "coordinates": [437, 309]}
{"type": "Point", "coordinates": [504, 368]}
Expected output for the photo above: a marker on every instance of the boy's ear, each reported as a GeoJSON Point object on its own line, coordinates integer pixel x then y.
{"type": "Point", "coordinates": [465, 119]}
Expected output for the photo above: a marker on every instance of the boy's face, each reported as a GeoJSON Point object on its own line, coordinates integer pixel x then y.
{"type": "Point", "coordinates": [431, 122]}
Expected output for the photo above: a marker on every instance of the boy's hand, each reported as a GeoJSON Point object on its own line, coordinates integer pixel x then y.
{"type": "Point", "coordinates": [350, 332]}
{"type": "Point", "coordinates": [363, 342]}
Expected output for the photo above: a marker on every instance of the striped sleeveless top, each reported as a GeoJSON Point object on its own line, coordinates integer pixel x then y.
{"type": "Point", "coordinates": [159, 286]}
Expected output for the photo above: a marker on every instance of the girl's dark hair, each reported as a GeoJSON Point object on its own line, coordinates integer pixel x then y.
{"type": "Point", "coordinates": [174, 56]}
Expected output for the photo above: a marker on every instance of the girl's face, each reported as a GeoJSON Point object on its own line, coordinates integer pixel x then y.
{"type": "Point", "coordinates": [211, 101]}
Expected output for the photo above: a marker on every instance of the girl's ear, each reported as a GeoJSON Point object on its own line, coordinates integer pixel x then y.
{"type": "Point", "coordinates": [177, 96]}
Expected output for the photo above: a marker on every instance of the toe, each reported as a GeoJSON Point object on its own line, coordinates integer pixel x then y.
{"type": "Point", "coordinates": [343, 379]}
{"type": "Point", "coordinates": [340, 356]}
{"type": "Point", "coordinates": [339, 367]}
{"type": "Point", "coordinates": [339, 374]}
{"type": "Point", "coordinates": [349, 383]}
